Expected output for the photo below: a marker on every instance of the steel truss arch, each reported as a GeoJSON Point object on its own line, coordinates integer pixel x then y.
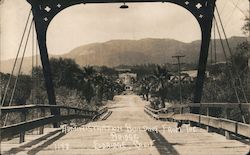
{"type": "Point", "coordinates": [45, 10]}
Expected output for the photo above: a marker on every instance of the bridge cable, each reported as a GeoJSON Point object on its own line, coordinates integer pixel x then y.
{"type": "Point", "coordinates": [230, 72]}
{"type": "Point", "coordinates": [32, 63]}
{"type": "Point", "coordinates": [226, 58]}
{"type": "Point", "coordinates": [211, 50]}
{"type": "Point", "coordinates": [225, 55]}
{"type": "Point", "coordinates": [18, 51]}
{"type": "Point", "coordinates": [236, 6]}
{"type": "Point", "coordinates": [215, 46]}
{"type": "Point", "coordinates": [232, 12]}
{"type": "Point", "coordinates": [230, 51]}
{"type": "Point", "coordinates": [233, 65]}
{"type": "Point", "coordinates": [19, 71]}
{"type": "Point", "coordinates": [36, 75]}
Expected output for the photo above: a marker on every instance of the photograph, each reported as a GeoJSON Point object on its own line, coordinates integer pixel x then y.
{"type": "Point", "coordinates": [125, 77]}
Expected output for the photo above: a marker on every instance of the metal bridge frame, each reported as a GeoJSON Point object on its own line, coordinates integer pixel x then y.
{"type": "Point", "coordinates": [45, 10]}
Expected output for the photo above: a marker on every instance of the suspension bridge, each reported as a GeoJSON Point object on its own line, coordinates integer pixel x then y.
{"type": "Point", "coordinates": [127, 125]}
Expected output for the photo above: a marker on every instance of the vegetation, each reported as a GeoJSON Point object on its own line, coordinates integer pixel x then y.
{"type": "Point", "coordinates": [23, 89]}
{"type": "Point", "coordinates": [227, 79]}
{"type": "Point", "coordinates": [161, 77]}
{"type": "Point", "coordinates": [157, 86]}
{"type": "Point", "coordinates": [227, 82]}
{"type": "Point", "coordinates": [74, 86]}
{"type": "Point", "coordinates": [246, 27]}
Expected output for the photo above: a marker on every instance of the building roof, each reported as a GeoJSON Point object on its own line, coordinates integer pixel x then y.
{"type": "Point", "coordinates": [191, 73]}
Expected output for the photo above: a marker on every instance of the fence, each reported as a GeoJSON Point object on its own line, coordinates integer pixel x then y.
{"type": "Point", "coordinates": [24, 125]}
{"type": "Point", "coordinates": [228, 126]}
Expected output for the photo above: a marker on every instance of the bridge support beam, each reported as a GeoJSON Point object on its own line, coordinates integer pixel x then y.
{"type": "Point", "coordinates": [206, 35]}
{"type": "Point", "coordinates": [41, 37]}
{"type": "Point", "coordinates": [206, 27]}
{"type": "Point", "coordinates": [22, 134]}
{"type": "Point", "coordinates": [41, 129]}
{"type": "Point", "coordinates": [227, 133]}
{"type": "Point", "coordinates": [208, 127]}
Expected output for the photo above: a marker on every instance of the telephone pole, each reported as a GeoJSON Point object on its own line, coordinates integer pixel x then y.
{"type": "Point", "coordinates": [178, 57]}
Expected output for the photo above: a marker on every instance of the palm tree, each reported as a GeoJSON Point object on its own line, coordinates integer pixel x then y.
{"type": "Point", "coordinates": [100, 82]}
{"type": "Point", "coordinates": [145, 88]}
{"type": "Point", "coordinates": [160, 86]}
{"type": "Point", "coordinates": [88, 85]}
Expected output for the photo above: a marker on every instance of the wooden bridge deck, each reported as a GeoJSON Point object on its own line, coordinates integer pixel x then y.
{"type": "Point", "coordinates": [129, 131]}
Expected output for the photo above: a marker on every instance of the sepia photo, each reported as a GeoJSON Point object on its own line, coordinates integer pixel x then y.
{"type": "Point", "coordinates": [134, 77]}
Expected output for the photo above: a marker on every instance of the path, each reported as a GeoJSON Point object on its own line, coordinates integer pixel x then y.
{"type": "Point", "coordinates": [129, 131]}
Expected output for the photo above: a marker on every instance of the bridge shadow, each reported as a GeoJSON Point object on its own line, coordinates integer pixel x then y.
{"type": "Point", "coordinates": [241, 139]}
{"type": "Point", "coordinates": [161, 144]}
{"type": "Point", "coordinates": [35, 142]}
{"type": "Point", "coordinates": [44, 145]}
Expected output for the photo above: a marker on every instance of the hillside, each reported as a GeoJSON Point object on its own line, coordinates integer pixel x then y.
{"type": "Point", "coordinates": [134, 52]}
{"type": "Point", "coordinates": [131, 52]}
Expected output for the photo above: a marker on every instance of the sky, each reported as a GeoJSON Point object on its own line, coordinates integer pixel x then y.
{"type": "Point", "coordinates": [83, 24]}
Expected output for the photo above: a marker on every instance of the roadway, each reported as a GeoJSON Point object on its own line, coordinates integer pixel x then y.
{"type": "Point", "coordinates": [130, 131]}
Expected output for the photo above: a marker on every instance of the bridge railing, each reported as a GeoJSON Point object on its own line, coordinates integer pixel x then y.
{"type": "Point", "coordinates": [181, 113]}
{"type": "Point", "coordinates": [66, 113]}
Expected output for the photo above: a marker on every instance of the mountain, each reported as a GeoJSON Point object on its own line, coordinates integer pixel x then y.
{"type": "Point", "coordinates": [133, 52]}
{"type": "Point", "coordinates": [7, 65]}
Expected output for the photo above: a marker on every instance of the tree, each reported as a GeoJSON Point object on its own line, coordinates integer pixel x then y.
{"type": "Point", "coordinates": [23, 89]}
{"type": "Point", "coordinates": [38, 86]}
{"type": "Point", "coordinates": [246, 27]}
{"type": "Point", "coordinates": [161, 76]}
{"type": "Point", "coordinates": [4, 80]}
{"type": "Point", "coordinates": [65, 72]}
{"type": "Point", "coordinates": [240, 58]}
{"type": "Point", "coordinates": [224, 84]}
{"type": "Point", "coordinates": [100, 84]}
{"type": "Point", "coordinates": [144, 87]}
{"type": "Point", "coordinates": [240, 68]}
{"type": "Point", "coordinates": [87, 88]}
{"type": "Point", "coordinates": [72, 80]}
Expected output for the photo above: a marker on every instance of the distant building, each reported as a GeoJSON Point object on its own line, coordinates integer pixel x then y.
{"type": "Point", "coordinates": [122, 70]}
{"type": "Point", "coordinates": [193, 73]}
{"type": "Point", "coordinates": [128, 80]}
{"type": "Point", "coordinates": [186, 77]}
